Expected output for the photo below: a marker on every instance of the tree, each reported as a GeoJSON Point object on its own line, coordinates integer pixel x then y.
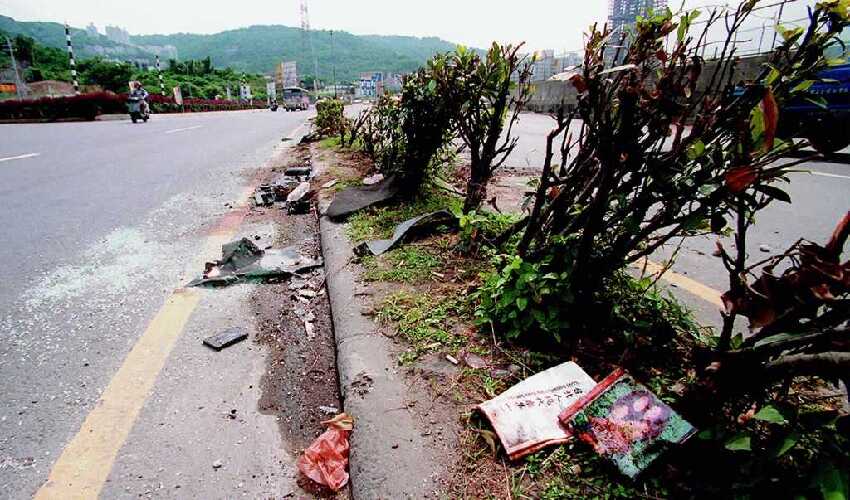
{"type": "Point", "coordinates": [109, 75]}
{"type": "Point", "coordinates": [483, 89]}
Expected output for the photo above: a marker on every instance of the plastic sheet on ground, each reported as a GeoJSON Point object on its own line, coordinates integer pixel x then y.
{"type": "Point", "coordinates": [242, 261]}
{"type": "Point", "coordinates": [626, 423]}
{"type": "Point", "coordinates": [354, 199]}
{"type": "Point", "coordinates": [417, 226]}
{"type": "Point", "coordinates": [525, 417]}
{"type": "Point", "coordinates": [326, 460]}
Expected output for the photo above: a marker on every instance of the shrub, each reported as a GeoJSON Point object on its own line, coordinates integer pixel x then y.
{"type": "Point", "coordinates": [330, 117]}
{"type": "Point", "coordinates": [617, 194]}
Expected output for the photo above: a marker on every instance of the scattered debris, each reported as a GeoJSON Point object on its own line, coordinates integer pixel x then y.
{"type": "Point", "coordinates": [226, 338]}
{"type": "Point", "coordinates": [362, 384]}
{"type": "Point", "coordinates": [765, 248]}
{"type": "Point", "coordinates": [329, 184]}
{"type": "Point", "coordinates": [354, 199]}
{"type": "Point", "coordinates": [329, 410]}
{"type": "Point", "coordinates": [626, 423]}
{"type": "Point", "coordinates": [304, 171]}
{"type": "Point", "coordinates": [243, 261]}
{"type": "Point", "coordinates": [326, 460]}
{"type": "Point", "coordinates": [307, 293]}
{"type": "Point", "coordinates": [451, 359]}
{"type": "Point", "coordinates": [217, 464]}
{"type": "Point", "coordinates": [525, 417]}
{"type": "Point", "coordinates": [373, 179]}
{"type": "Point", "coordinates": [474, 361]}
{"type": "Point", "coordinates": [264, 195]}
{"type": "Point", "coordinates": [298, 200]}
{"type": "Point", "coordinates": [310, 330]}
{"type": "Point", "coordinates": [416, 226]}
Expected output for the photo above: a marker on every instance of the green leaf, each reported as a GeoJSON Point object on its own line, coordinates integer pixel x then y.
{"type": "Point", "coordinates": [803, 86]}
{"type": "Point", "coordinates": [832, 482]}
{"type": "Point", "coordinates": [739, 442]}
{"type": "Point", "coordinates": [787, 443]}
{"type": "Point", "coordinates": [772, 76]}
{"type": "Point", "coordinates": [696, 150]}
{"type": "Point", "coordinates": [521, 303]}
{"type": "Point", "coordinates": [770, 414]}
{"type": "Point", "coordinates": [775, 193]}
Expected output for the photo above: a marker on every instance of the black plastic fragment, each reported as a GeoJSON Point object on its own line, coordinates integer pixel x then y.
{"type": "Point", "coordinates": [226, 338]}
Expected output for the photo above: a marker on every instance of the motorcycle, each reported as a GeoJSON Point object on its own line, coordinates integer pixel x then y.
{"type": "Point", "coordinates": [137, 109]}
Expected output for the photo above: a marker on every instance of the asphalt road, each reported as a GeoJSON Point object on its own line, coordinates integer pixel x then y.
{"type": "Point", "coordinates": [820, 197]}
{"type": "Point", "coordinates": [102, 221]}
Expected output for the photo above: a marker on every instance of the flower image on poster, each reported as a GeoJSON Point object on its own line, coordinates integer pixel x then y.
{"type": "Point", "coordinates": [626, 423]}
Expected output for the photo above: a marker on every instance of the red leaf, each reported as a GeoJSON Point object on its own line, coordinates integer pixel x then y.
{"type": "Point", "coordinates": [771, 119]}
{"type": "Point", "coordinates": [740, 178]}
{"type": "Point", "coordinates": [839, 237]}
{"type": "Point", "coordinates": [579, 83]}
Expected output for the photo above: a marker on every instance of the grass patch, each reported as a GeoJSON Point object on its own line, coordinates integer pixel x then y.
{"type": "Point", "coordinates": [330, 142]}
{"type": "Point", "coordinates": [424, 321]}
{"type": "Point", "coordinates": [409, 264]}
{"type": "Point", "coordinates": [379, 223]}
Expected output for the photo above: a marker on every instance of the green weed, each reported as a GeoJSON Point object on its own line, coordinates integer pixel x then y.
{"type": "Point", "coordinates": [408, 264]}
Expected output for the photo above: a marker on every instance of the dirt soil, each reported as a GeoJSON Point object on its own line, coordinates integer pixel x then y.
{"type": "Point", "coordinates": [300, 386]}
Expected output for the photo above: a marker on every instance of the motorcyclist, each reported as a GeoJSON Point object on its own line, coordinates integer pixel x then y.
{"type": "Point", "coordinates": [140, 92]}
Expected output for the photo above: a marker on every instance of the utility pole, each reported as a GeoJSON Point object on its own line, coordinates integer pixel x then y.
{"type": "Point", "coordinates": [71, 59]}
{"type": "Point", "coordinates": [333, 63]}
{"type": "Point", "coordinates": [19, 90]}
{"type": "Point", "coordinates": [159, 72]}
{"type": "Point", "coordinates": [778, 20]}
{"type": "Point", "coordinates": [305, 33]}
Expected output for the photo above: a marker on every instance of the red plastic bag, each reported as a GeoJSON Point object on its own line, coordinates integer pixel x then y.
{"type": "Point", "coordinates": [326, 460]}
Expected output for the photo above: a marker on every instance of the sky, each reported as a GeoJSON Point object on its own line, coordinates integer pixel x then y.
{"type": "Point", "coordinates": [542, 24]}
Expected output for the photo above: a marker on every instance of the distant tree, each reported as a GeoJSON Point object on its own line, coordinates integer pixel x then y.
{"type": "Point", "coordinates": [109, 75]}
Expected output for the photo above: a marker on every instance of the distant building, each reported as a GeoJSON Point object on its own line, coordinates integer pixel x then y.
{"type": "Point", "coordinates": [622, 14]}
{"type": "Point", "coordinates": [91, 29]}
{"type": "Point", "coordinates": [370, 85]}
{"type": "Point", "coordinates": [117, 34]}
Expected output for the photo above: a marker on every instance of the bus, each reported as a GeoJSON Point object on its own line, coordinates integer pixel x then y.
{"type": "Point", "coordinates": [822, 113]}
{"type": "Point", "coordinates": [295, 99]}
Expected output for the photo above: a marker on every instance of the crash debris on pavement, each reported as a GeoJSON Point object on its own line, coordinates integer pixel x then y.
{"type": "Point", "coordinates": [326, 460]}
{"type": "Point", "coordinates": [242, 261]}
{"type": "Point", "coordinates": [226, 338]}
{"type": "Point", "coordinates": [354, 199]}
{"type": "Point", "coordinates": [409, 229]}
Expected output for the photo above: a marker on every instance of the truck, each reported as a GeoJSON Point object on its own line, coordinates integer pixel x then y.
{"type": "Point", "coordinates": [821, 114]}
{"type": "Point", "coordinates": [295, 99]}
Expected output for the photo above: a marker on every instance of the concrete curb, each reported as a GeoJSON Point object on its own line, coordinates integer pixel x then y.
{"type": "Point", "coordinates": [389, 456]}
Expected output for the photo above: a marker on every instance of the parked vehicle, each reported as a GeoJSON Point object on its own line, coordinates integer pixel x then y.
{"type": "Point", "coordinates": [295, 99]}
{"type": "Point", "coordinates": [137, 109]}
{"type": "Point", "coordinates": [822, 113]}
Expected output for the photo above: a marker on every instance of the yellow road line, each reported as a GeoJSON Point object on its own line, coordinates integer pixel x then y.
{"type": "Point", "coordinates": [704, 292]}
{"type": "Point", "coordinates": [86, 461]}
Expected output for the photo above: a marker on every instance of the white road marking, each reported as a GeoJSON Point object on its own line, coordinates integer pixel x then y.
{"type": "Point", "coordinates": [824, 174]}
{"type": "Point", "coordinates": [182, 129]}
{"type": "Point", "coordinates": [20, 157]}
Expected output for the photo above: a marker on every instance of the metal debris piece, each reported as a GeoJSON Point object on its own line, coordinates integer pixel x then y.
{"type": "Point", "coordinates": [416, 226]}
{"type": "Point", "coordinates": [304, 171]}
{"type": "Point", "coordinates": [242, 261]}
{"type": "Point", "coordinates": [525, 417]}
{"type": "Point", "coordinates": [310, 330]}
{"type": "Point", "coordinates": [264, 195]}
{"type": "Point", "coordinates": [298, 200]}
{"type": "Point", "coordinates": [226, 338]}
{"type": "Point", "coordinates": [329, 184]}
{"type": "Point", "coordinates": [329, 410]}
{"type": "Point", "coordinates": [354, 199]}
{"type": "Point", "coordinates": [373, 179]}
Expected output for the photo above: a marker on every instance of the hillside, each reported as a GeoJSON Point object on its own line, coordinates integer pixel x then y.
{"type": "Point", "coordinates": [256, 49]}
{"type": "Point", "coordinates": [259, 48]}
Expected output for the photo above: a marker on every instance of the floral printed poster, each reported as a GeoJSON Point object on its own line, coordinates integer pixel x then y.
{"type": "Point", "coordinates": [626, 423]}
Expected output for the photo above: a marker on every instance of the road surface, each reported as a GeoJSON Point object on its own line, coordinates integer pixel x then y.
{"type": "Point", "coordinates": [102, 221]}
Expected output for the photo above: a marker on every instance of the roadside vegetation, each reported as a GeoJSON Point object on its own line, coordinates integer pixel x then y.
{"type": "Point", "coordinates": [623, 177]}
